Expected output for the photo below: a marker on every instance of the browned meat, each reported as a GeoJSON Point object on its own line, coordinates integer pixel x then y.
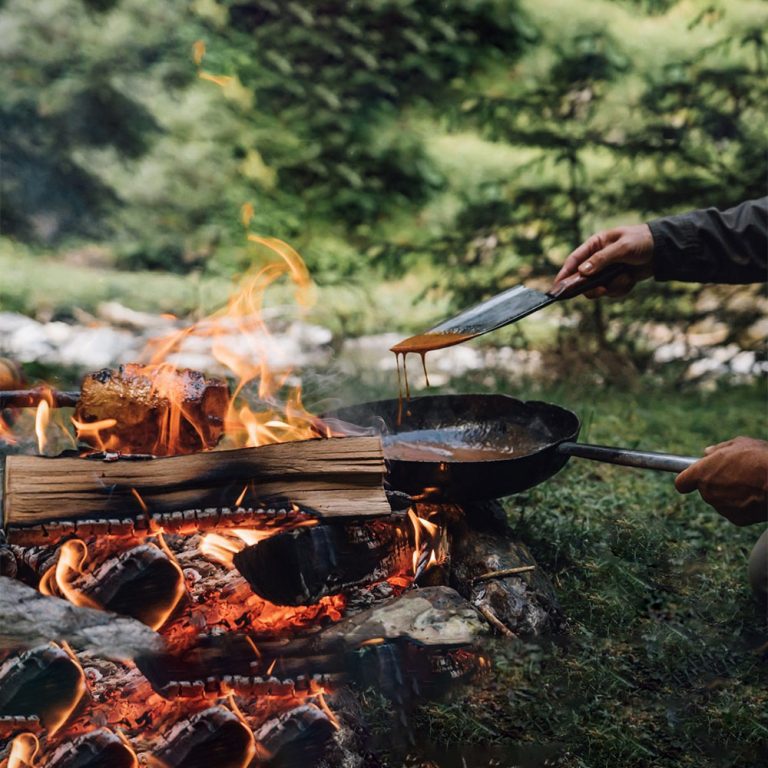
{"type": "Point", "coordinates": [159, 410]}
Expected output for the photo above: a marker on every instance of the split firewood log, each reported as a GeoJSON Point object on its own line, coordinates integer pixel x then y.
{"type": "Point", "coordinates": [334, 477]}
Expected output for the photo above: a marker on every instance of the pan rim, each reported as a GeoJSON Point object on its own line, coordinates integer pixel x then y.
{"type": "Point", "coordinates": [572, 435]}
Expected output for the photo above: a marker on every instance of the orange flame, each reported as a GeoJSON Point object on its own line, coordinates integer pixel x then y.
{"type": "Point", "coordinates": [223, 547]}
{"type": "Point", "coordinates": [163, 612]}
{"type": "Point", "coordinates": [430, 545]}
{"type": "Point", "coordinates": [24, 750]}
{"type": "Point", "coordinates": [61, 577]}
{"type": "Point", "coordinates": [42, 417]}
{"type": "Point", "coordinates": [80, 691]}
{"type": "Point", "coordinates": [90, 432]}
{"type": "Point", "coordinates": [240, 341]}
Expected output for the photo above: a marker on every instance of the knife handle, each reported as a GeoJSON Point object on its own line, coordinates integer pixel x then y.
{"type": "Point", "coordinates": [577, 284]}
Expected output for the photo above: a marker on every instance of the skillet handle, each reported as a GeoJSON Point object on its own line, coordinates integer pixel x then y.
{"type": "Point", "coordinates": [664, 462]}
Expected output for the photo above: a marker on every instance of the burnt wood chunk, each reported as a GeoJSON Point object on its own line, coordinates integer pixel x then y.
{"type": "Point", "coordinates": [98, 749]}
{"type": "Point", "coordinates": [45, 682]}
{"type": "Point", "coordinates": [297, 738]}
{"type": "Point", "coordinates": [30, 618]}
{"type": "Point", "coordinates": [334, 477]}
{"type": "Point", "coordinates": [299, 567]}
{"type": "Point", "coordinates": [214, 737]}
{"type": "Point", "coordinates": [158, 410]}
{"type": "Point", "coordinates": [142, 583]}
{"type": "Point", "coordinates": [413, 625]}
{"type": "Point", "coordinates": [494, 573]}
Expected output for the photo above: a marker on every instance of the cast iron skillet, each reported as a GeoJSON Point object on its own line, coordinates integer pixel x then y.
{"type": "Point", "coordinates": [492, 423]}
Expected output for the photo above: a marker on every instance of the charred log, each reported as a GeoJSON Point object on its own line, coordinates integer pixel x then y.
{"type": "Point", "coordinates": [337, 477]}
{"type": "Point", "coordinates": [296, 739]}
{"type": "Point", "coordinates": [187, 522]}
{"type": "Point", "coordinates": [12, 725]}
{"type": "Point", "coordinates": [137, 399]}
{"type": "Point", "coordinates": [142, 583]}
{"type": "Point", "coordinates": [299, 567]}
{"type": "Point", "coordinates": [500, 578]}
{"type": "Point", "coordinates": [214, 737]}
{"type": "Point", "coordinates": [419, 634]}
{"type": "Point", "coordinates": [96, 749]}
{"type": "Point", "coordinates": [45, 682]}
{"type": "Point", "coordinates": [30, 618]}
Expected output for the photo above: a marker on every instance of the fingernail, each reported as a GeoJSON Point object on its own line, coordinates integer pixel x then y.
{"type": "Point", "coordinates": [586, 267]}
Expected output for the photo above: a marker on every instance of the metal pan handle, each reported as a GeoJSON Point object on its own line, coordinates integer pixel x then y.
{"type": "Point", "coordinates": [664, 462]}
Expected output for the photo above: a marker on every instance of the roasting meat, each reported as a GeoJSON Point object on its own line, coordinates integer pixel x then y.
{"type": "Point", "coordinates": [156, 409]}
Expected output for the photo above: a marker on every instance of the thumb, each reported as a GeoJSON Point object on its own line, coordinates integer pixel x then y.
{"type": "Point", "coordinates": [688, 480]}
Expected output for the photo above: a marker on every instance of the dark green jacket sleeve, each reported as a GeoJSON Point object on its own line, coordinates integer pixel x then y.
{"type": "Point", "coordinates": [712, 246]}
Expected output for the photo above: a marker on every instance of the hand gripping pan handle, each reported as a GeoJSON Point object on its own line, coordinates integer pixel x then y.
{"type": "Point", "coordinates": [664, 462]}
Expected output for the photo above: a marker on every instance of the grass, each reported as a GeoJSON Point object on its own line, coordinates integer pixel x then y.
{"type": "Point", "coordinates": [663, 660]}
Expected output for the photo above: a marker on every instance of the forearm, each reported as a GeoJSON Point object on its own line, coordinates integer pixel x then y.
{"type": "Point", "coordinates": [711, 246]}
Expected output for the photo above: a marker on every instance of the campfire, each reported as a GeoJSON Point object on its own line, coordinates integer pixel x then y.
{"type": "Point", "coordinates": [199, 571]}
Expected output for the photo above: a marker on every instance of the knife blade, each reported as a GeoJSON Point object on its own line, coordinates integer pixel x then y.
{"type": "Point", "coordinates": [500, 310]}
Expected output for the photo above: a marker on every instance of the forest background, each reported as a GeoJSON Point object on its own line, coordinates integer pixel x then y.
{"type": "Point", "coordinates": [419, 155]}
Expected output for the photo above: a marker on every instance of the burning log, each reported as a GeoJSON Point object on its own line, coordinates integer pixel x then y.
{"type": "Point", "coordinates": [29, 618]}
{"type": "Point", "coordinates": [299, 567]}
{"type": "Point", "coordinates": [499, 576]}
{"type": "Point", "coordinates": [96, 749]}
{"type": "Point", "coordinates": [336, 477]}
{"type": "Point", "coordinates": [417, 631]}
{"type": "Point", "coordinates": [155, 409]}
{"type": "Point", "coordinates": [46, 682]}
{"type": "Point", "coordinates": [214, 737]}
{"type": "Point", "coordinates": [297, 738]}
{"type": "Point", "coordinates": [143, 583]}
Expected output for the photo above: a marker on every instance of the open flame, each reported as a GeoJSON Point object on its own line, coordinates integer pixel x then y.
{"type": "Point", "coordinates": [222, 547]}
{"type": "Point", "coordinates": [42, 417]}
{"type": "Point", "coordinates": [430, 544]}
{"type": "Point", "coordinates": [238, 339]}
{"type": "Point", "coordinates": [24, 750]}
{"type": "Point", "coordinates": [60, 578]}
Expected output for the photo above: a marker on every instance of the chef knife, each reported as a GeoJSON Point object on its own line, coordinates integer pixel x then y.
{"type": "Point", "coordinates": [504, 308]}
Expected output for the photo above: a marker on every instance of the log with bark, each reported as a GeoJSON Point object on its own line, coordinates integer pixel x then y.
{"type": "Point", "coordinates": [30, 618]}
{"type": "Point", "coordinates": [499, 576]}
{"type": "Point", "coordinates": [336, 477]}
{"type": "Point", "coordinates": [297, 738]}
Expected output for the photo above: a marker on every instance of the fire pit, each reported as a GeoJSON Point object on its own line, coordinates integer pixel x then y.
{"type": "Point", "coordinates": [221, 607]}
